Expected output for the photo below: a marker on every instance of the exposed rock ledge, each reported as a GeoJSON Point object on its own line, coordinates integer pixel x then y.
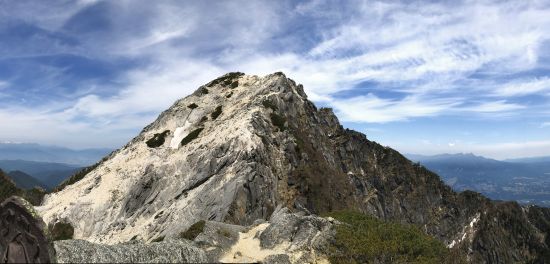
{"type": "Point", "coordinates": [286, 238]}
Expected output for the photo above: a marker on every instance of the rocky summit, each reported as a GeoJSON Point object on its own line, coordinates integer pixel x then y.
{"type": "Point", "coordinates": [245, 149]}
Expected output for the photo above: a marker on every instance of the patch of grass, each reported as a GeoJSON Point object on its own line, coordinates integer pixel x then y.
{"type": "Point", "coordinates": [158, 139]}
{"type": "Point", "coordinates": [158, 239]}
{"type": "Point", "coordinates": [216, 112]}
{"type": "Point", "coordinates": [192, 106]}
{"type": "Point", "coordinates": [194, 230]}
{"type": "Point", "coordinates": [62, 231]}
{"type": "Point", "coordinates": [365, 239]}
{"type": "Point", "coordinates": [194, 134]}
{"type": "Point", "coordinates": [268, 104]}
{"type": "Point", "coordinates": [278, 121]}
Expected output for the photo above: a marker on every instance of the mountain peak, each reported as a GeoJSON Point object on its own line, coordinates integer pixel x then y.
{"type": "Point", "coordinates": [207, 141]}
{"type": "Point", "coordinates": [241, 146]}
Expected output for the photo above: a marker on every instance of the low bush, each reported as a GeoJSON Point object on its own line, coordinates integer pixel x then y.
{"type": "Point", "coordinates": [192, 106]}
{"type": "Point", "coordinates": [157, 140]}
{"type": "Point", "coordinates": [62, 231]}
{"type": "Point", "coordinates": [35, 196]}
{"type": "Point", "coordinates": [365, 239]}
{"type": "Point", "coordinates": [194, 230]}
{"type": "Point", "coordinates": [216, 112]}
{"type": "Point", "coordinates": [226, 79]}
{"type": "Point", "coordinates": [194, 134]}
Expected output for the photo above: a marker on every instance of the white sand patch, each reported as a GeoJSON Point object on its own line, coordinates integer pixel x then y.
{"type": "Point", "coordinates": [248, 249]}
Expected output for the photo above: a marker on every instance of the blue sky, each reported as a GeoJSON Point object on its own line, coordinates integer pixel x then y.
{"type": "Point", "coordinates": [420, 76]}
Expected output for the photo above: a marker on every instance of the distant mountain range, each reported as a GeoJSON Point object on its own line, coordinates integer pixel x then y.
{"type": "Point", "coordinates": [29, 174]}
{"type": "Point", "coordinates": [25, 181]}
{"type": "Point", "coordinates": [525, 180]}
{"type": "Point", "coordinates": [30, 165]}
{"type": "Point", "coordinates": [41, 153]}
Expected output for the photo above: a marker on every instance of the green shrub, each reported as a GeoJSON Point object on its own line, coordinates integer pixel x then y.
{"type": "Point", "coordinates": [365, 239]}
{"type": "Point", "coordinates": [234, 84]}
{"type": "Point", "coordinates": [203, 90]}
{"type": "Point", "coordinates": [157, 140]}
{"type": "Point", "coordinates": [7, 187]}
{"type": "Point", "coordinates": [278, 121]}
{"type": "Point", "coordinates": [35, 196]}
{"type": "Point", "coordinates": [229, 95]}
{"type": "Point", "coordinates": [216, 112]}
{"type": "Point", "coordinates": [194, 134]}
{"type": "Point", "coordinates": [62, 231]}
{"type": "Point", "coordinates": [194, 230]}
{"type": "Point", "coordinates": [193, 106]}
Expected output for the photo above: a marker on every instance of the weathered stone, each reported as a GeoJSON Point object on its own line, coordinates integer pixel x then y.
{"type": "Point", "coordinates": [23, 234]}
{"type": "Point", "coordinates": [277, 259]}
{"type": "Point", "coordinates": [172, 251]}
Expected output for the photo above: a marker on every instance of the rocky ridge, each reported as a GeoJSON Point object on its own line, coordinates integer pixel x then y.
{"type": "Point", "coordinates": [242, 145]}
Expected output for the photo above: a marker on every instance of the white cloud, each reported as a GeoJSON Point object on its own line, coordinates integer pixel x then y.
{"type": "Point", "coordinates": [4, 84]}
{"type": "Point", "coordinates": [494, 107]}
{"type": "Point", "coordinates": [377, 110]}
{"type": "Point", "coordinates": [524, 87]}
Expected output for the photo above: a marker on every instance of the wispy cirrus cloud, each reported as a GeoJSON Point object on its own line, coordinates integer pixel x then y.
{"type": "Point", "coordinates": [375, 62]}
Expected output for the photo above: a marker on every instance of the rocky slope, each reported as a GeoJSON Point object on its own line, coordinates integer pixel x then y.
{"type": "Point", "coordinates": [285, 238]}
{"type": "Point", "coordinates": [242, 145]}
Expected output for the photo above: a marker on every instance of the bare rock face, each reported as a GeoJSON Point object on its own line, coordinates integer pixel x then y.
{"type": "Point", "coordinates": [286, 238]}
{"type": "Point", "coordinates": [240, 146]}
{"type": "Point", "coordinates": [175, 251]}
